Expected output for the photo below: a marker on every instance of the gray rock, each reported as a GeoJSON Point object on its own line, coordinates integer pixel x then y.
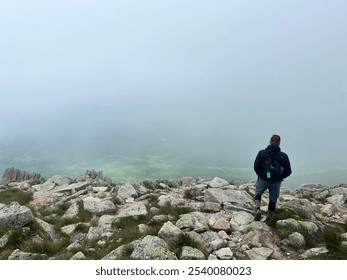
{"type": "Point", "coordinates": [20, 255]}
{"type": "Point", "coordinates": [72, 211]}
{"type": "Point", "coordinates": [221, 224]}
{"type": "Point", "coordinates": [240, 221]}
{"type": "Point", "coordinates": [15, 215]}
{"type": "Point", "coordinates": [212, 207]}
{"type": "Point", "coordinates": [224, 254]}
{"type": "Point", "coordinates": [170, 233]}
{"type": "Point", "coordinates": [105, 222]}
{"type": "Point", "coordinates": [126, 191]}
{"type": "Point", "coordinates": [218, 183]}
{"type": "Point", "coordinates": [292, 225]}
{"type": "Point", "coordinates": [152, 248]}
{"type": "Point", "coordinates": [15, 175]}
{"type": "Point", "coordinates": [296, 240]}
{"type": "Point", "coordinates": [118, 253]}
{"type": "Point", "coordinates": [217, 244]}
{"type": "Point", "coordinates": [328, 210]}
{"type": "Point", "coordinates": [261, 253]}
{"type": "Point", "coordinates": [337, 200]}
{"type": "Point", "coordinates": [96, 205]}
{"type": "Point", "coordinates": [302, 207]}
{"type": "Point", "coordinates": [94, 233]}
{"type": "Point", "coordinates": [190, 253]}
{"type": "Point", "coordinates": [4, 239]}
{"type": "Point", "coordinates": [135, 209]}
{"type": "Point", "coordinates": [69, 229]}
{"type": "Point", "coordinates": [78, 256]}
{"type": "Point", "coordinates": [314, 252]}
{"type": "Point", "coordinates": [49, 229]}
{"type": "Point", "coordinates": [236, 197]}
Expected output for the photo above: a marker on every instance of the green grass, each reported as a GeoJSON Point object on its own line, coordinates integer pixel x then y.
{"type": "Point", "coordinates": [331, 238]}
{"type": "Point", "coordinates": [10, 195]}
{"type": "Point", "coordinates": [186, 240]}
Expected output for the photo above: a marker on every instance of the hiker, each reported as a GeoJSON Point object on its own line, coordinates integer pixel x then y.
{"type": "Point", "coordinates": [272, 166]}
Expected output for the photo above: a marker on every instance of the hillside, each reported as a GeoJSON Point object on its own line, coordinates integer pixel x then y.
{"type": "Point", "coordinates": [91, 217]}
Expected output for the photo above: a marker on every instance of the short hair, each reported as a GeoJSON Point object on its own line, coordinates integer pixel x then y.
{"type": "Point", "coordinates": [275, 139]}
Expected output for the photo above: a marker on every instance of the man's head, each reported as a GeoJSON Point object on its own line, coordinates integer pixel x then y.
{"type": "Point", "coordinates": [275, 139]}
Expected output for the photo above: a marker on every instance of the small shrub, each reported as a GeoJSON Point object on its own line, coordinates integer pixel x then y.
{"type": "Point", "coordinates": [10, 195]}
{"type": "Point", "coordinates": [83, 228]}
{"type": "Point", "coordinates": [332, 239]}
{"type": "Point", "coordinates": [188, 194]}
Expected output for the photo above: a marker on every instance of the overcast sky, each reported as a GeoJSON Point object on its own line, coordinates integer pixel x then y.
{"type": "Point", "coordinates": [227, 73]}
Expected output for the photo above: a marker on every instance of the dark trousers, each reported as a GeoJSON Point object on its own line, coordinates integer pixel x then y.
{"type": "Point", "coordinates": [274, 192]}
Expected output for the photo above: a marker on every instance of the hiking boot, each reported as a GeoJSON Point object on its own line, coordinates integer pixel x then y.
{"type": "Point", "coordinates": [269, 214]}
{"type": "Point", "coordinates": [257, 213]}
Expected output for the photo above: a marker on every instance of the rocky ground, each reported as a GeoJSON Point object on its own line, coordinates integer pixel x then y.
{"type": "Point", "coordinates": [91, 217]}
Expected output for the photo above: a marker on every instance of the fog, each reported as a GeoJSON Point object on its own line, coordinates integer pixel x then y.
{"type": "Point", "coordinates": [165, 89]}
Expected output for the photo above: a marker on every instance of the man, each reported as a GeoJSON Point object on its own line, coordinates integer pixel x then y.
{"type": "Point", "coordinates": [272, 166]}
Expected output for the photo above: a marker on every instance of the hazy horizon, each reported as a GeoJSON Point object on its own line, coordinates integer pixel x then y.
{"type": "Point", "coordinates": [172, 88]}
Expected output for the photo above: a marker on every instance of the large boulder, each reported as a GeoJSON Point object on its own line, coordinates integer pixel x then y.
{"type": "Point", "coordinates": [15, 215]}
{"type": "Point", "coordinates": [238, 198]}
{"type": "Point", "coordinates": [96, 205]}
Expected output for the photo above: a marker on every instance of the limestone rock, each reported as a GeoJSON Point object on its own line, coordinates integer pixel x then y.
{"type": "Point", "coordinates": [15, 175]}
{"type": "Point", "coordinates": [96, 205]}
{"type": "Point", "coordinates": [190, 253]}
{"type": "Point", "coordinates": [49, 229]}
{"type": "Point", "coordinates": [296, 240]}
{"type": "Point", "coordinates": [126, 191]}
{"type": "Point", "coordinates": [135, 209]}
{"type": "Point", "coordinates": [72, 211]}
{"type": "Point", "coordinates": [170, 233]}
{"type": "Point", "coordinates": [15, 215]}
{"type": "Point", "coordinates": [236, 197]}
{"type": "Point", "coordinates": [224, 254]}
{"type": "Point", "coordinates": [20, 255]}
{"type": "Point", "coordinates": [78, 256]}
{"type": "Point", "coordinates": [152, 248]}
{"type": "Point", "coordinates": [261, 253]}
{"type": "Point", "coordinates": [218, 183]}
{"type": "Point", "coordinates": [337, 200]}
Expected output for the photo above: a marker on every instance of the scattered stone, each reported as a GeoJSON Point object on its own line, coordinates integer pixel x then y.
{"type": "Point", "coordinates": [78, 256]}
{"type": "Point", "coordinates": [261, 253]}
{"type": "Point", "coordinates": [96, 205]}
{"type": "Point", "coordinates": [190, 253]}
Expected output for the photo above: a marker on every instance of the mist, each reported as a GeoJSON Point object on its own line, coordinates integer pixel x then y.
{"type": "Point", "coordinates": [165, 89]}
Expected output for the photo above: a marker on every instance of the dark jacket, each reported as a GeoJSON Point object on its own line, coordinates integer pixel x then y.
{"type": "Point", "coordinates": [275, 152]}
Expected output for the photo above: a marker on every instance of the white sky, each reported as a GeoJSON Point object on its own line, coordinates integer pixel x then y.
{"type": "Point", "coordinates": [241, 69]}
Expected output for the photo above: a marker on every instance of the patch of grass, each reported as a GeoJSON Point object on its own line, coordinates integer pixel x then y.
{"type": "Point", "coordinates": [83, 228]}
{"type": "Point", "coordinates": [331, 238]}
{"type": "Point", "coordinates": [10, 195]}
{"type": "Point", "coordinates": [128, 230]}
{"type": "Point", "coordinates": [46, 246]}
{"type": "Point", "coordinates": [188, 194]}
{"type": "Point", "coordinates": [127, 251]}
{"type": "Point", "coordinates": [175, 211]}
{"type": "Point", "coordinates": [186, 240]}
